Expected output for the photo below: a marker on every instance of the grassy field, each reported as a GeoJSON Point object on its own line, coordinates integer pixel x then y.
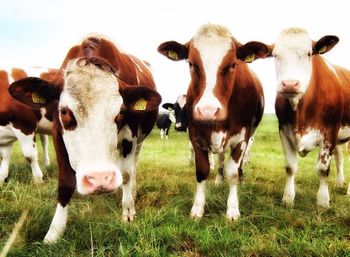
{"type": "Point", "coordinates": [166, 183]}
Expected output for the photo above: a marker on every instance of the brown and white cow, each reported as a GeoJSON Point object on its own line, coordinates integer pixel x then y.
{"type": "Point", "coordinates": [225, 103]}
{"type": "Point", "coordinates": [20, 122]}
{"type": "Point", "coordinates": [312, 106]}
{"type": "Point", "coordinates": [105, 100]}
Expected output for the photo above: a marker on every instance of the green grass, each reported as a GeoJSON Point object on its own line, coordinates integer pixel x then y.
{"type": "Point", "coordinates": [166, 183]}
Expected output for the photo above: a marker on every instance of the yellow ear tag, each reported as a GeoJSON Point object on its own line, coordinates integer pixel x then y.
{"type": "Point", "coordinates": [140, 105]}
{"type": "Point", "coordinates": [322, 50]}
{"type": "Point", "coordinates": [172, 55]}
{"type": "Point", "coordinates": [249, 58]}
{"type": "Point", "coordinates": [37, 99]}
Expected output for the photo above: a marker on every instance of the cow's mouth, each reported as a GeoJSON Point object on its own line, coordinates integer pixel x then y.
{"type": "Point", "coordinates": [100, 191]}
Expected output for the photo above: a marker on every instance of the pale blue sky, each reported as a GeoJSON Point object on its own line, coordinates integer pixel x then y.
{"type": "Point", "coordinates": [39, 33]}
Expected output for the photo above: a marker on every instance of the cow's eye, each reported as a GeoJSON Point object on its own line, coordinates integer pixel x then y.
{"type": "Point", "coordinates": [228, 68]}
{"type": "Point", "coordinates": [194, 67]}
{"type": "Point", "coordinates": [63, 111]}
{"type": "Point", "coordinates": [309, 54]}
{"type": "Point", "coordinates": [67, 118]}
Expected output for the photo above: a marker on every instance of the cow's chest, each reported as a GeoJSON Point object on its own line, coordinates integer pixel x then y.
{"type": "Point", "coordinates": [304, 142]}
{"type": "Point", "coordinates": [220, 141]}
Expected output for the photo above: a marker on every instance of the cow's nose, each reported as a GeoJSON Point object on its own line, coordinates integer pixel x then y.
{"type": "Point", "coordinates": [207, 112]}
{"type": "Point", "coordinates": [290, 86]}
{"type": "Point", "coordinates": [99, 182]}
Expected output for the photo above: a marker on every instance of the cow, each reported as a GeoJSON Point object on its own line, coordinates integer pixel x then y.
{"type": "Point", "coordinates": [105, 104]}
{"type": "Point", "coordinates": [225, 103]}
{"type": "Point", "coordinates": [181, 124]}
{"type": "Point", "coordinates": [20, 122]}
{"type": "Point", "coordinates": [165, 119]}
{"type": "Point", "coordinates": [312, 106]}
{"type": "Point", "coordinates": [181, 121]}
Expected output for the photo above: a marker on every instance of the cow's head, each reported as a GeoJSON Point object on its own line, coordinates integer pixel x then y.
{"type": "Point", "coordinates": [293, 52]}
{"type": "Point", "coordinates": [181, 122]}
{"type": "Point", "coordinates": [213, 56]}
{"type": "Point", "coordinates": [88, 109]}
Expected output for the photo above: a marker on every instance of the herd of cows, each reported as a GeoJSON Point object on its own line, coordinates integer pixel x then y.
{"type": "Point", "coordinates": [101, 104]}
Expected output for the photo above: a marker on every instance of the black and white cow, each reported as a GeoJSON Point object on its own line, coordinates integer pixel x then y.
{"type": "Point", "coordinates": [165, 119]}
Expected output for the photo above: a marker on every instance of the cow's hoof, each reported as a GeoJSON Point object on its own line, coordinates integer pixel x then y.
{"type": "Point", "coordinates": [196, 212]}
{"type": "Point", "coordinates": [233, 214]}
{"type": "Point", "coordinates": [129, 215]}
{"type": "Point", "coordinates": [38, 180]}
{"type": "Point", "coordinates": [51, 237]}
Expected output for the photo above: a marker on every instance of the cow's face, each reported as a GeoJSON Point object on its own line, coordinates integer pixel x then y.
{"type": "Point", "coordinates": [89, 106]}
{"type": "Point", "coordinates": [213, 55]}
{"type": "Point", "coordinates": [180, 114]}
{"type": "Point", "coordinates": [293, 52]}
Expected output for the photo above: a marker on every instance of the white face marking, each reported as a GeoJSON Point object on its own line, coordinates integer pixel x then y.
{"type": "Point", "coordinates": [93, 97]}
{"type": "Point", "coordinates": [213, 43]}
{"type": "Point", "coordinates": [292, 60]}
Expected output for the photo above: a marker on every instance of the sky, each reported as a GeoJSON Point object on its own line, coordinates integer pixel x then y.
{"type": "Point", "coordinates": [40, 32]}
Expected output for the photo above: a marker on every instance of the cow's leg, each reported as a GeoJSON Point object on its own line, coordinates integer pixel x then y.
{"type": "Point", "coordinates": [322, 167]}
{"type": "Point", "coordinates": [167, 133]}
{"type": "Point", "coordinates": [202, 173]}
{"type": "Point", "coordinates": [232, 173]}
{"type": "Point", "coordinates": [339, 163]}
{"type": "Point", "coordinates": [45, 144]}
{"type": "Point", "coordinates": [211, 161]}
{"type": "Point", "coordinates": [161, 133]}
{"type": "Point", "coordinates": [127, 164]}
{"type": "Point", "coordinates": [191, 156]}
{"type": "Point", "coordinates": [58, 224]}
{"type": "Point", "coordinates": [5, 152]}
{"type": "Point", "coordinates": [66, 187]}
{"type": "Point", "coordinates": [290, 156]}
{"type": "Point", "coordinates": [30, 152]}
{"type": "Point", "coordinates": [220, 176]}
{"type": "Point", "coordinates": [246, 153]}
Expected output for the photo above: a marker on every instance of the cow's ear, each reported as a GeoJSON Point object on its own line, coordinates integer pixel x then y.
{"type": "Point", "coordinates": [168, 106]}
{"type": "Point", "coordinates": [252, 51]}
{"type": "Point", "coordinates": [34, 92]}
{"type": "Point", "coordinates": [140, 98]}
{"type": "Point", "coordinates": [173, 50]}
{"type": "Point", "coordinates": [324, 44]}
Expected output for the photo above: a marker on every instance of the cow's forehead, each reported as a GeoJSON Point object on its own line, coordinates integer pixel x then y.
{"type": "Point", "coordinates": [87, 85]}
{"type": "Point", "coordinates": [213, 37]}
{"type": "Point", "coordinates": [293, 40]}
